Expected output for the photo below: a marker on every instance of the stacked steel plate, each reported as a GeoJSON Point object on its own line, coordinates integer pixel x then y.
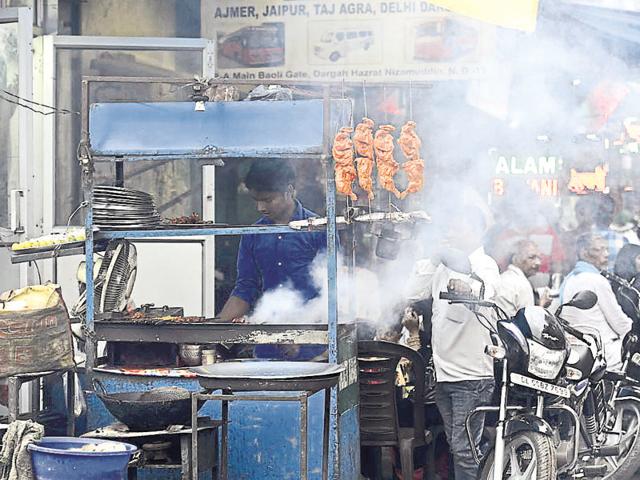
{"type": "Point", "coordinates": [116, 208]}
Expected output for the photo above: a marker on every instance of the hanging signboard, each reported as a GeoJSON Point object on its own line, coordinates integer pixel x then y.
{"type": "Point", "coordinates": [545, 175]}
{"type": "Point", "coordinates": [370, 40]}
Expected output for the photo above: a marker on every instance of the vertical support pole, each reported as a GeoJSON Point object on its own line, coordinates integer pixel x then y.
{"type": "Point", "coordinates": [120, 172]}
{"type": "Point", "coordinates": [325, 435]}
{"type": "Point", "coordinates": [14, 398]}
{"type": "Point", "coordinates": [87, 186]}
{"type": "Point", "coordinates": [194, 437]}
{"type": "Point", "coordinates": [332, 277]}
{"type": "Point", "coordinates": [225, 439]}
{"type": "Point", "coordinates": [71, 390]}
{"type": "Point", "coordinates": [304, 419]}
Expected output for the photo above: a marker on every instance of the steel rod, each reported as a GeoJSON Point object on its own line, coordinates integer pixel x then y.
{"type": "Point", "coordinates": [194, 436]}
{"type": "Point", "coordinates": [303, 436]}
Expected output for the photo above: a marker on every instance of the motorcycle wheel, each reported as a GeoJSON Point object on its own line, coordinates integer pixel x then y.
{"type": "Point", "coordinates": [527, 456]}
{"type": "Point", "coordinates": [627, 433]}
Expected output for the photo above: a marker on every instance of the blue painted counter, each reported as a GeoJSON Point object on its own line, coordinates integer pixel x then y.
{"type": "Point", "coordinates": [263, 436]}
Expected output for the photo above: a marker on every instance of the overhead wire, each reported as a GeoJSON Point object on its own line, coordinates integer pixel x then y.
{"type": "Point", "coordinates": [18, 101]}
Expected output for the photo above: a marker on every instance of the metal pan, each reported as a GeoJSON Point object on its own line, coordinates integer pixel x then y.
{"type": "Point", "coordinates": [272, 370]}
{"type": "Point", "coordinates": [271, 376]}
{"type": "Point", "coordinates": [150, 410]}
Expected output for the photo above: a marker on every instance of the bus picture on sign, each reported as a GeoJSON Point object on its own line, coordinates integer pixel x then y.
{"type": "Point", "coordinates": [253, 46]}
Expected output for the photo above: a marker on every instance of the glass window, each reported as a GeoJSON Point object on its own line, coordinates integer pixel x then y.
{"type": "Point", "coordinates": [176, 186]}
{"type": "Point", "coordinates": [352, 35]}
{"type": "Point", "coordinates": [340, 36]}
{"type": "Point", "coordinates": [9, 160]}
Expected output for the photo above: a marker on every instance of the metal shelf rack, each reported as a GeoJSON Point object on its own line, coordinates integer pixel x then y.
{"type": "Point", "coordinates": [109, 134]}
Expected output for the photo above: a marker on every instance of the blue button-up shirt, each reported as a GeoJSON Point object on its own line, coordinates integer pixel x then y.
{"type": "Point", "coordinates": [268, 261]}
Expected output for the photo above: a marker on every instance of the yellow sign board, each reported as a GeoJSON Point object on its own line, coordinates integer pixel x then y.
{"type": "Point", "coordinates": [371, 40]}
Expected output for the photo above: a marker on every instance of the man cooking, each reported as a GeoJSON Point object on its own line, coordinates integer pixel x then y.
{"type": "Point", "coordinates": [271, 261]}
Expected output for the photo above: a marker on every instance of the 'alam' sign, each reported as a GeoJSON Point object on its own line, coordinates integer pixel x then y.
{"type": "Point", "coordinates": [541, 173]}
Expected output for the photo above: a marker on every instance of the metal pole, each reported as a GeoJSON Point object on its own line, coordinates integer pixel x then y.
{"type": "Point", "coordinates": [225, 439]}
{"type": "Point", "coordinates": [87, 184]}
{"type": "Point", "coordinates": [303, 436]}
{"type": "Point", "coordinates": [194, 436]}
{"type": "Point", "coordinates": [325, 435]}
{"type": "Point", "coordinates": [332, 279]}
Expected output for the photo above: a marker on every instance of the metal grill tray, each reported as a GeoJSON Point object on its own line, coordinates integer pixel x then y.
{"type": "Point", "coordinates": [269, 375]}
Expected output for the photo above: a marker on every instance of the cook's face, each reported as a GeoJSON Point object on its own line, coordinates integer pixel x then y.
{"type": "Point", "coordinates": [530, 260]}
{"type": "Point", "coordinates": [271, 204]}
{"type": "Point", "coordinates": [598, 253]}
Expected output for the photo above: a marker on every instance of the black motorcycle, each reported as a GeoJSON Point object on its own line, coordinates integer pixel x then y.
{"type": "Point", "coordinates": [534, 417]}
{"type": "Point", "coordinates": [608, 402]}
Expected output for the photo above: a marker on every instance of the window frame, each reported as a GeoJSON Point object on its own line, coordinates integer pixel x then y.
{"type": "Point", "coordinates": [47, 48]}
{"type": "Point", "coordinates": [23, 17]}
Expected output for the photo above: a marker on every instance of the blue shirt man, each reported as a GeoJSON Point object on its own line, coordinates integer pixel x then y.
{"type": "Point", "coordinates": [269, 261]}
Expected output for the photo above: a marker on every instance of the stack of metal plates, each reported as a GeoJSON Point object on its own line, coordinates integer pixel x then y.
{"type": "Point", "coordinates": [116, 208]}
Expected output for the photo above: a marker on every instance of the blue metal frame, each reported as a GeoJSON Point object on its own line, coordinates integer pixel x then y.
{"type": "Point", "coordinates": [187, 232]}
{"type": "Point", "coordinates": [193, 150]}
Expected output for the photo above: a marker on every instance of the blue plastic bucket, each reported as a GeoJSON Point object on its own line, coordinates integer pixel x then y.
{"type": "Point", "coordinates": [56, 458]}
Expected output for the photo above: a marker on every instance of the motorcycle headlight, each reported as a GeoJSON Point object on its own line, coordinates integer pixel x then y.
{"type": "Point", "coordinates": [543, 362]}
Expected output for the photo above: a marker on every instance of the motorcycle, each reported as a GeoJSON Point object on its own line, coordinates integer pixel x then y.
{"type": "Point", "coordinates": [531, 352]}
{"type": "Point", "coordinates": [608, 402]}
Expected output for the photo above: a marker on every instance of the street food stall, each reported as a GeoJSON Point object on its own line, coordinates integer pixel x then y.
{"type": "Point", "coordinates": [211, 132]}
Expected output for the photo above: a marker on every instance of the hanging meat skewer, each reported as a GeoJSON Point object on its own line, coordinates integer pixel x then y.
{"type": "Point", "coordinates": [387, 166]}
{"type": "Point", "coordinates": [363, 140]}
{"type": "Point", "coordinates": [415, 172]}
{"type": "Point", "coordinates": [410, 145]}
{"type": "Point", "coordinates": [409, 141]}
{"type": "Point", "coordinates": [343, 155]}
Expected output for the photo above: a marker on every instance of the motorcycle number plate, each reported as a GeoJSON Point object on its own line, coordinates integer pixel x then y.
{"type": "Point", "coordinates": [540, 385]}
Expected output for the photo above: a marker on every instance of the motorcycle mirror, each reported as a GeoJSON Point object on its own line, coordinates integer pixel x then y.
{"type": "Point", "coordinates": [584, 300]}
{"type": "Point", "coordinates": [455, 260]}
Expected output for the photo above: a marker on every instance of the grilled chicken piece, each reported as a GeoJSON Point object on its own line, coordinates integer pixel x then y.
{"type": "Point", "coordinates": [365, 175]}
{"type": "Point", "coordinates": [383, 141]}
{"type": "Point", "coordinates": [345, 170]}
{"type": "Point", "coordinates": [409, 141]}
{"type": "Point", "coordinates": [363, 140]}
{"type": "Point", "coordinates": [345, 175]}
{"type": "Point", "coordinates": [387, 166]}
{"type": "Point", "coordinates": [415, 172]}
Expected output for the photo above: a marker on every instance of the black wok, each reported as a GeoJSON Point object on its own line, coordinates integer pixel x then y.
{"type": "Point", "coordinates": [149, 410]}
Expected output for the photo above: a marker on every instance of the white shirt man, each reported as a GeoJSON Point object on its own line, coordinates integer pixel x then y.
{"type": "Point", "coordinates": [464, 372]}
{"type": "Point", "coordinates": [515, 290]}
{"type": "Point", "coordinates": [606, 316]}
{"type": "Point", "coordinates": [458, 339]}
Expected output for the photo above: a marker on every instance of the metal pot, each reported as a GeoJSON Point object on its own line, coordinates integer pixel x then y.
{"type": "Point", "coordinates": [191, 355]}
{"type": "Point", "coordinates": [388, 243]}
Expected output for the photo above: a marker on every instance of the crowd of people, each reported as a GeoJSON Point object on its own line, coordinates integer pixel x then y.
{"type": "Point", "coordinates": [502, 260]}
{"type": "Point", "coordinates": [464, 374]}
